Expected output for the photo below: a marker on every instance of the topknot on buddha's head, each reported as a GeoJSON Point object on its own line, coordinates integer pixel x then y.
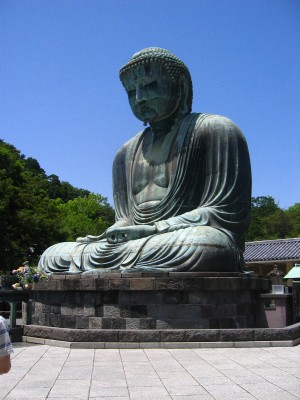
{"type": "Point", "coordinates": [172, 64]}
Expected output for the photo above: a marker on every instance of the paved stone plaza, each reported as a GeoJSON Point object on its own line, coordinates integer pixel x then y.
{"type": "Point", "coordinates": [45, 372]}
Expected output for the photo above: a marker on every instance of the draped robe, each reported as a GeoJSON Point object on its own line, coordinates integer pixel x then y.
{"type": "Point", "coordinates": [200, 221]}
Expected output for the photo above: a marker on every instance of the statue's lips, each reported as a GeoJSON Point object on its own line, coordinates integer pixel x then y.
{"type": "Point", "coordinates": [145, 109]}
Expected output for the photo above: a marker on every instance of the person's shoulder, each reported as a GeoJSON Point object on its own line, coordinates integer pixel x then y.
{"type": "Point", "coordinates": [3, 328]}
{"type": "Point", "coordinates": [3, 324]}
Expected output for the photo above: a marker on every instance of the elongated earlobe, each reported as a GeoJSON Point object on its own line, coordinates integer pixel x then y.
{"type": "Point", "coordinates": [184, 90]}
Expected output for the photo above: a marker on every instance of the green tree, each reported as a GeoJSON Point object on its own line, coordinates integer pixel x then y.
{"type": "Point", "coordinates": [63, 190]}
{"type": "Point", "coordinates": [31, 164]}
{"type": "Point", "coordinates": [32, 211]}
{"type": "Point", "coordinates": [261, 207]}
{"type": "Point", "coordinates": [27, 216]}
{"type": "Point", "coordinates": [269, 221]}
{"type": "Point", "coordinates": [275, 225]}
{"type": "Point", "coordinates": [86, 215]}
{"type": "Point", "coordinates": [293, 215]}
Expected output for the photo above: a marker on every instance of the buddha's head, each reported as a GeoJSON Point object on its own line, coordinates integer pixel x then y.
{"type": "Point", "coordinates": [158, 85]}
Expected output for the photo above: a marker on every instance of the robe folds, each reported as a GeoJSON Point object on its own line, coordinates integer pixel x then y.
{"type": "Point", "coordinates": [201, 220]}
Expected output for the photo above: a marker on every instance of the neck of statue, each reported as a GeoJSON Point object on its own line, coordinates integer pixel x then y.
{"type": "Point", "coordinates": [164, 126]}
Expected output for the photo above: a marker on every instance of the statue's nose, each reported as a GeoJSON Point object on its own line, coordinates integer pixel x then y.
{"type": "Point", "coordinates": [140, 94]}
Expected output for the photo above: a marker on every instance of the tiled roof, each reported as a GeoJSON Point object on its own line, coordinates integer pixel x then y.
{"type": "Point", "coordinates": [271, 250]}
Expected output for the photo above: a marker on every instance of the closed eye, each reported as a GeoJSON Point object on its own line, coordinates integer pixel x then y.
{"type": "Point", "coordinates": [146, 86]}
{"type": "Point", "coordinates": [151, 85]}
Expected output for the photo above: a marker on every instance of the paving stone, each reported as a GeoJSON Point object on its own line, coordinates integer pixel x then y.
{"type": "Point", "coordinates": [245, 373]}
{"type": "Point", "coordinates": [138, 382]}
{"type": "Point", "coordinates": [193, 397]}
{"type": "Point", "coordinates": [186, 390]}
{"type": "Point", "coordinates": [108, 391]}
{"type": "Point", "coordinates": [27, 393]}
{"type": "Point", "coordinates": [108, 398]}
{"type": "Point", "coordinates": [145, 392]}
{"type": "Point", "coordinates": [99, 383]}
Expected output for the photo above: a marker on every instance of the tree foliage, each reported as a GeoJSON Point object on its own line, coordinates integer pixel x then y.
{"type": "Point", "coordinates": [293, 214]}
{"type": "Point", "coordinates": [88, 215]}
{"type": "Point", "coordinates": [269, 221]}
{"type": "Point", "coordinates": [39, 210]}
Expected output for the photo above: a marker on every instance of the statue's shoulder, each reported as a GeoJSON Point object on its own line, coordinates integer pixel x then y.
{"type": "Point", "coordinates": [216, 124]}
{"type": "Point", "coordinates": [214, 120]}
{"type": "Point", "coordinates": [129, 146]}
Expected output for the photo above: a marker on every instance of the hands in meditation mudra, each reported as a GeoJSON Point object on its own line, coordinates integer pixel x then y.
{"type": "Point", "coordinates": [182, 186]}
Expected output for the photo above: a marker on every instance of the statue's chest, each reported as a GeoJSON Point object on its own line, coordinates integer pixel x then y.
{"type": "Point", "coordinates": [149, 174]}
{"type": "Point", "coordinates": [152, 167]}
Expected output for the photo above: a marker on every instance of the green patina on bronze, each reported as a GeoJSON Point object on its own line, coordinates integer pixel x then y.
{"type": "Point", "coordinates": [182, 186]}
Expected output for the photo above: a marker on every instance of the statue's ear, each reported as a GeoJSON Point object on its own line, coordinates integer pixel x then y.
{"type": "Point", "coordinates": [184, 92]}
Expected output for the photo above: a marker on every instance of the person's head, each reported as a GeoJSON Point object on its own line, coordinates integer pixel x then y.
{"type": "Point", "coordinates": [158, 85]}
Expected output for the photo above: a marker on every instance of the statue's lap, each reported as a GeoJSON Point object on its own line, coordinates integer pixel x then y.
{"type": "Point", "coordinates": [198, 248]}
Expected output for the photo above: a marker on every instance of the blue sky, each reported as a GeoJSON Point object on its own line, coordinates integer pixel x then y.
{"type": "Point", "coordinates": [61, 101]}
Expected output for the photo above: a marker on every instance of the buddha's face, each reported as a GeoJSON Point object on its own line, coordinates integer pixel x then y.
{"type": "Point", "coordinates": [152, 94]}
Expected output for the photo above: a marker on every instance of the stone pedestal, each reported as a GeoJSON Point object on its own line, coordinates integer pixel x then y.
{"type": "Point", "coordinates": [147, 301]}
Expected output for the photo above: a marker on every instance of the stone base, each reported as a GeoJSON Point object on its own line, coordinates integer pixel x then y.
{"type": "Point", "coordinates": [115, 302]}
{"type": "Point", "coordinates": [174, 338]}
